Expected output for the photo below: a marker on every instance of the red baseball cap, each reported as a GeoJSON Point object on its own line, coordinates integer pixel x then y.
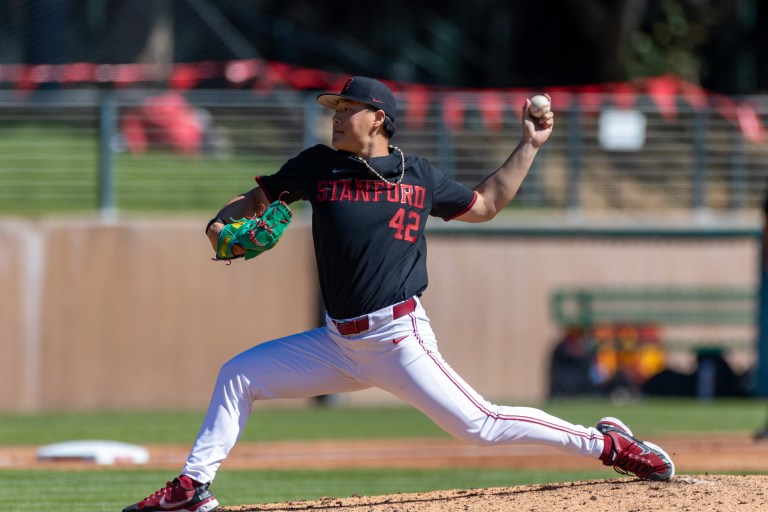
{"type": "Point", "coordinates": [364, 90]}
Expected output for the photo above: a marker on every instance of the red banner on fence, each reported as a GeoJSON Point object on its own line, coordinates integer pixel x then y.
{"type": "Point", "coordinates": [264, 76]}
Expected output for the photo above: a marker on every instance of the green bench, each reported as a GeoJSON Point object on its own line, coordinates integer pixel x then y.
{"type": "Point", "coordinates": [633, 326]}
{"type": "Point", "coordinates": [708, 309]}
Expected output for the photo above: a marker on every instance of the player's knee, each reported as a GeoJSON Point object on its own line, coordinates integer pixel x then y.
{"type": "Point", "coordinates": [231, 372]}
{"type": "Point", "coordinates": [229, 369]}
{"type": "Point", "coordinates": [480, 439]}
{"type": "Point", "coordinates": [244, 363]}
{"type": "Point", "coordinates": [475, 436]}
{"type": "Point", "coordinates": [473, 439]}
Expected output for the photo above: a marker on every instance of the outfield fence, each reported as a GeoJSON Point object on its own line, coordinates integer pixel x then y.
{"type": "Point", "coordinates": [124, 151]}
{"type": "Point", "coordinates": [674, 201]}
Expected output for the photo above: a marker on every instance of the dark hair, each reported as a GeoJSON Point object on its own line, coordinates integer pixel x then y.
{"type": "Point", "coordinates": [389, 124]}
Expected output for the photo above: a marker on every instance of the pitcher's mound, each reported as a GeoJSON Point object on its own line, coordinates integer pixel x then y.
{"type": "Point", "coordinates": [702, 493]}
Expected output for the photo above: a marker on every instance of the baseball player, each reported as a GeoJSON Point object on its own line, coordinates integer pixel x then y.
{"type": "Point", "coordinates": [370, 204]}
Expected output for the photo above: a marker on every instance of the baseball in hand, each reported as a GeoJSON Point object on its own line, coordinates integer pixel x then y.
{"type": "Point", "coordinates": [539, 105]}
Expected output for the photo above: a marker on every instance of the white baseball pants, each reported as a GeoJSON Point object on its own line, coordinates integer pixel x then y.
{"type": "Point", "coordinates": [397, 355]}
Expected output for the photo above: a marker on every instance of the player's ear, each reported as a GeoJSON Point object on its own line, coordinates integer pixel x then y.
{"type": "Point", "coordinates": [379, 117]}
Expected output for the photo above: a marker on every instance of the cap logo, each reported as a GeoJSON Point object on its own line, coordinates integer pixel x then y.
{"type": "Point", "coordinates": [375, 100]}
{"type": "Point", "coordinates": [346, 85]}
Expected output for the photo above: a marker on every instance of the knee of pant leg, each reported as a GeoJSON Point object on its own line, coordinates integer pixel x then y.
{"type": "Point", "coordinates": [475, 436]}
{"type": "Point", "coordinates": [233, 379]}
{"type": "Point", "coordinates": [481, 431]}
{"type": "Point", "coordinates": [229, 370]}
{"type": "Point", "coordinates": [481, 439]}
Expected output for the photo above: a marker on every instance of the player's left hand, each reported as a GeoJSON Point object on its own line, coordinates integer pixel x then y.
{"type": "Point", "coordinates": [250, 237]}
{"type": "Point", "coordinates": [537, 129]}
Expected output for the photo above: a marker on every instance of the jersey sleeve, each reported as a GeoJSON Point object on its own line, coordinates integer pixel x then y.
{"type": "Point", "coordinates": [451, 198]}
{"type": "Point", "coordinates": [291, 183]}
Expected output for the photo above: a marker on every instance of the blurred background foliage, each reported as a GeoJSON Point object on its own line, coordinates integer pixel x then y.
{"type": "Point", "coordinates": [721, 45]}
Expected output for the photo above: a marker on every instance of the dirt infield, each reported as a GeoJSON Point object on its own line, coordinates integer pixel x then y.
{"type": "Point", "coordinates": [699, 486]}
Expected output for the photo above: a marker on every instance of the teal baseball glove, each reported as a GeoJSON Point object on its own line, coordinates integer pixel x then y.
{"type": "Point", "coordinates": [256, 234]}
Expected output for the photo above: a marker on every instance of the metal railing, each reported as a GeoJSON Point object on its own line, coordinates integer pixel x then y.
{"type": "Point", "coordinates": [118, 151]}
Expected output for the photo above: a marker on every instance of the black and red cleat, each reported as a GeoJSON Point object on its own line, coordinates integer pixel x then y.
{"type": "Point", "coordinates": [629, 455]}
{"type": "Point", "coordinates": [181, 495]}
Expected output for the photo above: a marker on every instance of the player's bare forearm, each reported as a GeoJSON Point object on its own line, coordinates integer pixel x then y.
{"type": "Point", "coordinates": [249, 204]}
{"type": "Point", "coordinates": [495, 192]}
{"type": "Point", "coordinates": [253, 202]}
{"type": "Point", "coordinates": [499, 188]}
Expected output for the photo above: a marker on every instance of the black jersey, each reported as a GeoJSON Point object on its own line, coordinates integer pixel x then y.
{"type": "Point", "coordinates": [369, 236]}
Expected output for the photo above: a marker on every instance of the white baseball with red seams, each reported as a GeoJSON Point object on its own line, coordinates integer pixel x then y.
{"type": "Point", "coordinates": [540, 105]}
{"type": "Point", "coordinates": [399, 355]}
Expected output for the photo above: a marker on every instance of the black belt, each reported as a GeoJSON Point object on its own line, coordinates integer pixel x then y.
{"type": "Point", "coordinates": [358, 325]}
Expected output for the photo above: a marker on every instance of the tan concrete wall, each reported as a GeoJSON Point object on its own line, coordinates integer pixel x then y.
{"type": "Point", "coordinates": [135, 314]}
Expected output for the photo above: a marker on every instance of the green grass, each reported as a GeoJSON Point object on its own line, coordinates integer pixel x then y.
{"type": "Point", "coordinates": [53, 168]}
{"type": "Point", "coordinates": [650, 417]}
{"type": "Point", "coordinates": [112, 488]}
{"type": "Point", "coordinates": [668, 416]}
{"type": "Point", "coordinates": [182, 426]}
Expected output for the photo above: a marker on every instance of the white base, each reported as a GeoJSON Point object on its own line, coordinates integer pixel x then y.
{"type": "Point", "coordinates": [100, 452]}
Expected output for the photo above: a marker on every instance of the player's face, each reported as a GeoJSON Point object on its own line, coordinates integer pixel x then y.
{"type": "Point", "coordinates": [352, 126]}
